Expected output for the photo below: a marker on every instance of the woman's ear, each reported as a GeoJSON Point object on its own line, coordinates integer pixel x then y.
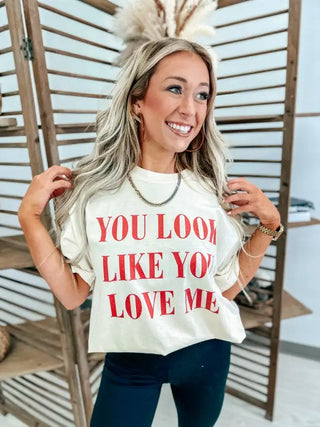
{"type": "Point", "coordinates": [136, 107]}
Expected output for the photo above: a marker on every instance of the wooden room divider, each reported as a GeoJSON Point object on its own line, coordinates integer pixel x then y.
{"type": "Point", "coordinates": [61, 69]}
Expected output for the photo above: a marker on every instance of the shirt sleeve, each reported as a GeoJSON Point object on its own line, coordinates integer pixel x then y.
{"type": "Point", "coordinates": [228, 274]}
{"type": "Point", "coordinates": [228, 264]}
{"type": "Point", "coordinates": [70, 246]}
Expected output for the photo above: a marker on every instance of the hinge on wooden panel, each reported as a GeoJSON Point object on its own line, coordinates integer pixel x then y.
{"type": "Point", "coordinates": [27, 48]}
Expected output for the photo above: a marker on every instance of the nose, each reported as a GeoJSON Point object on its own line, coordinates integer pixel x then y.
{"type": "Point", "coordinates": [187, 106]}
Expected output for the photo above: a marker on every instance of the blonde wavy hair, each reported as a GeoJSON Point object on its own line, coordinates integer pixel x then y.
{"type": "Point", "coordinates": [117, 149]}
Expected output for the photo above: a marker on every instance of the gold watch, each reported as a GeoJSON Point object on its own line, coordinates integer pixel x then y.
{"type": "Point", "coordinates": [275, 234]}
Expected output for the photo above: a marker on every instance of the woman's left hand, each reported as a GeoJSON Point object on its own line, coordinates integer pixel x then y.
{"type": "Point", "coordinates": [252, 199]}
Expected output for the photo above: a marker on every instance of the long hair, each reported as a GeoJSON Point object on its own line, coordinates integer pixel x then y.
{"type": "Point", "coordinates": [117, 149]}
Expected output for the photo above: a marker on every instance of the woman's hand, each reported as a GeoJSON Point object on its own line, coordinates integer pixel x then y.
{"type": "Point", "coordinates": [51, 183]}
{"type": "Point", "coordinates": [249, 198]}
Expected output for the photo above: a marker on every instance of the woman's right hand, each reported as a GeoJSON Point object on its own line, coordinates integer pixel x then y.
{"type": "Point", "coordinates": [49, 184]}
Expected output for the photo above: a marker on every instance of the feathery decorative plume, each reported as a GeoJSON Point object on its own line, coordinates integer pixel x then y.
{"type": "Point", "coordinates": [142, 20]}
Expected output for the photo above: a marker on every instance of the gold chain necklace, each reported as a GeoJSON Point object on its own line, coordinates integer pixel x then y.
{"type": "Point", "coordinates": [152, 203]}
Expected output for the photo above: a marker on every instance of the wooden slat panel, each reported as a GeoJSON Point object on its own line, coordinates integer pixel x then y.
{"type": "Point", "coordinates": [248, 55]}
{"type": "Point", "coordinates": [288, 134]}
{"type": "Point", "coordinates": [75, 141]}
{"type": "Point", "coordinates": [104, 5]}
{"type": "Point", "coordinates": [80, 76]}
{"type": "Point", "coordinates": [254, 18]}
{"type": "Point", "coordinates": [14, 164]}
{"type": "Point", "coordinates": [307, 115]}
{"type": "Point", "coordinates": [75, 111]}
{"type": "Point", "coordinates": [249, 119]}
{"type": "Point", "coordinates": [4, 28]}
{"type": "Point", "coordinates": [225, 3]}
{"type": "Point", "coordinates": [79, 94]}
{"type": "Point", "coordinates": [20, 413]}
{"type": "Point", "coordinates": [77, 55]}
{"type": "Point", "coordinates": [75, 128]}
{"type": "Point", "coordinates": [256, 36]}
{"type": "Point", "coordinates": [9, 94]}
{"type": "Point", "coordinates": [279, 129]}
{"type": "Point", "coordinates": [255, 161]}
{"type": "Point", "coordinates": [256, 146]}
{"type": "Point", "coordinates": [41, 80]}
{"type": "Point", "coordinates": [17, 33]}
{"type": "Point", "coordinates": [245, 378]}
{"type": "Point", "coordinates": [51, 396]}
{"type": "Point", "coordinates": [16, 181]}
{"type": "Point", "coordinates": [6, 122]}
{"type": "Point", "coordinates": [251, 104]}
{"type": "Point", "coordinates": [249, 73]}
{"type": "Point", "coordinates": [5, 50]}
{"type": "Point", "coordinates": [11, 196]}
{"type": "Point", "coordinates": [70, 159]}
{"type": "Point", "coordinates": [79, 39]}
{"type": "Point", "coordinates": [74, 18]}
{"type": "Point", "coordinates": [13, 145]}
{"type": "Point", "coordinates": [250, 89]}
{"type": "Point", "coordinates": [245, 368]}
{"type": "Point", "coordinates": [7, 73]}
{"type": "Point", "coordinates": [248, 359]}
{"type": "Point", "coordinates": [246, 397]}
{"type": "Point", "coordinates": [246, 385]}
{"type": "Point", "coordinates": [31, 402]}
{"type": "Point", "coordinates": [11, 113]}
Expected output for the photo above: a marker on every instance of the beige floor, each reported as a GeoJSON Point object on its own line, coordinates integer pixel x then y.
{"type": "Point", "coordinates": [297, 401]}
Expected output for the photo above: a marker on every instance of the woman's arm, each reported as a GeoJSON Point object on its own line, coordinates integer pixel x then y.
{"type": "Point", "coordinates": [251, 199]}
{"type": "Point", "coordinates": [70, 289]}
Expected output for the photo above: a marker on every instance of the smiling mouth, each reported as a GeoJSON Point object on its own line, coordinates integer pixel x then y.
{"type": "Point", "coordinates": [179, 129]}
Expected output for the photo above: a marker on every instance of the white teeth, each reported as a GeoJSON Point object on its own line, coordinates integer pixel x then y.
{"type": "Point", "coordinates": [182, 129]}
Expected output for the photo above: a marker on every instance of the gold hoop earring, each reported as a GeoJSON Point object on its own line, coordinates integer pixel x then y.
{"type": "Point", "coordinates": [141, 128]}
{"type": "Point", "coordinates": [200, 145]}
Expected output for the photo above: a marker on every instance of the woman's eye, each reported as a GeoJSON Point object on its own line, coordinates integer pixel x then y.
{"type": "Point", "coordinates": [204, 96]}
{"type": "Point", "coordinates": [175, 89]}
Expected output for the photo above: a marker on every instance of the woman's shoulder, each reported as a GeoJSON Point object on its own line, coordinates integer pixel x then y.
{"type": "Point", "coordinates": [202, 185]}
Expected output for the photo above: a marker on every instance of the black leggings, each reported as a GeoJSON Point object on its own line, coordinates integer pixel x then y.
{"type": "Point", "coordinates": [131, 383]}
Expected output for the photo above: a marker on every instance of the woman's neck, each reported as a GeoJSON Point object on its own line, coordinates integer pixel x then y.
{"type": "Point", "coordinates": [163, 165]}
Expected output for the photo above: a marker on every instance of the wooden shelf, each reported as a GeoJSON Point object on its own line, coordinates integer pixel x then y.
{"type": "Point", "coordinates": [14, 253]}
{"type": "Point", "coordinates": [6, 122]}
{"type": "Point", "coordinates": [290, 307]}
{"type": "Point", "coordinates": [24, 359]}
{"type": "Point", "coordinates": [313, 221]}
{"type": "Point", "coordinates": [34, 346]}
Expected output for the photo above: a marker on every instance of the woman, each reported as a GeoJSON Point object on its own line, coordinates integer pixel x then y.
{"type": "Point", "coordinates": [148, 226]}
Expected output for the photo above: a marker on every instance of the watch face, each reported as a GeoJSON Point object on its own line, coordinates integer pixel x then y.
{"type": "Point", "coordinates": [279, 231]}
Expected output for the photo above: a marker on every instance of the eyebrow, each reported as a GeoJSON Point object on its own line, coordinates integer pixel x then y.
{"type": "Point", "coordinates": [181, 79]}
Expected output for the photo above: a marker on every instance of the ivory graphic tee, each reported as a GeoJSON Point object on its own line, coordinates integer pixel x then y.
{"type": "Point", "coordinates": [157, 273]}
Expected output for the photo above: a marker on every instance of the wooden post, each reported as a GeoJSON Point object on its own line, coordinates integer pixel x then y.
{"type": "Point", "coordinates": [24, 83]}
{"type": "Point", "coordinates": [288, 135]}
{"type": "Point", "coordinates": [48, 128]}
{"type": "Point", "coordinates": [69, 356]}
{"type": "Point", "coordinates": [41, 80]}
{"type": "Point", "coordinates": [82, 361]}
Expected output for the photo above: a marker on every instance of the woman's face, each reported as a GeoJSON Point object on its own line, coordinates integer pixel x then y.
{"type": "Point", "coordinates": [175, 105]}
